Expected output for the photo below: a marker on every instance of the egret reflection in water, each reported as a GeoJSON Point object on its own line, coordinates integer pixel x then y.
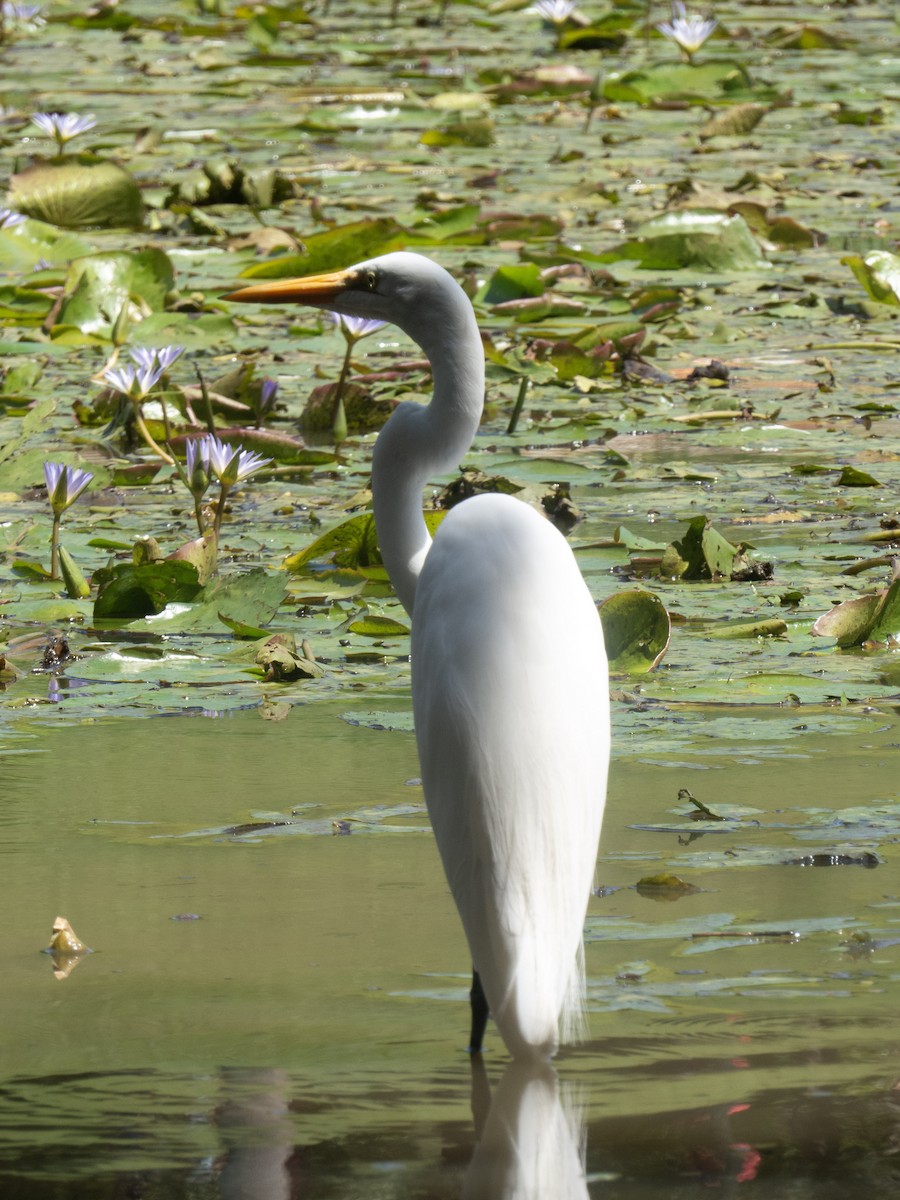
{"type": "Point", "coordinates": [531, 1145]}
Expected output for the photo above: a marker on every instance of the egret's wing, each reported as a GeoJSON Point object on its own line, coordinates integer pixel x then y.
{"type": "Point", "coordinates": [511, 706]}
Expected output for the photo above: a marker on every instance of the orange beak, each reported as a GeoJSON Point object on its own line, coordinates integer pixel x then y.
{"type": "Point", "coordinates": [311, 289]}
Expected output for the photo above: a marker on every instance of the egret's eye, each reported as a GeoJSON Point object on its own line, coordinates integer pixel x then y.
{"type": "Point", "coordinates": [370, 280]}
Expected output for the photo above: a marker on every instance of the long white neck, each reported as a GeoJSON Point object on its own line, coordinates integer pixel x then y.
{"type": "Point", "coordinates": [418, 443]}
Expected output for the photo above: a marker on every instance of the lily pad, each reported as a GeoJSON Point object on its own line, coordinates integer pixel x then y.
{"type": "Point", "coordinates": [636, 630]}
{"type": "Point", "coordinates": [100, 287]}
{"type": "Point", "coordinates": [333, 249]}
{"type": "Point", "coordinates": [879, 273]}
{"type": "Point", "coordinates": [674, 81]}
{"type": "Point", "coordinates": [690, 238]}
{"type": "Point", "coordinates": [874, 617]}
{"type": "Point", "coordinates": [78, 195]}
{"type": "Point", "coordinates": [127, 591]}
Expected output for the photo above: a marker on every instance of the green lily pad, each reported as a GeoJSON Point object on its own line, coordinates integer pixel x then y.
{"type": "Point", "coordinates": [333, 249]}
{"type": "Point", "coordinates": [353, 544]}
{"type": "Point", "coordinates": [636, 630]}
{"type": "Point", "coordinates": [691, 238]}
{"type": "Point", "coordinates": [677, 81]}
{"type": "Point", "coordinates": [879, 274]}
{"type": "Point", "coordinates": [251, 599]}
{"type": "Point", "coordinates": [874, 617]}
{"type": "Point", "coordinates": [765, 627]}
{"type": "Point", "coordinates": [703, 553]}
{"type": "Point", "coordinates": [512, 282]}
{"type": "Point", "coordinates": [852, 477]}
{"type": "Point", "coordinates": [100, 286]}
{"type": "Point", "coordinates": [377, 626]}
{"type": "Point", "coordinates": [78, 195]}
{"type": "Point", "coordinates": [23, 246]}
{"type": "Point", "coordinates": [477, 131]}
{"type": "Point", "coordinates": [127, 591]}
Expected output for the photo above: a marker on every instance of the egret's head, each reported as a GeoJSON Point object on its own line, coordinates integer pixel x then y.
{"type": "Point", "coordinates": [408, 290]}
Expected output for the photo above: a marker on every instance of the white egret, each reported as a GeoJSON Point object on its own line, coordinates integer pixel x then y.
{"type": "Point", "coordinates": [509, 674]}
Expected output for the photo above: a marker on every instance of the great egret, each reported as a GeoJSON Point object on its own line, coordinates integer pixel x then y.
{"type": "Point", "coordinates": [509, 675]}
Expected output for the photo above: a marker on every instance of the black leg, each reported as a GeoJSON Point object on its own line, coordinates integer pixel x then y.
{"type": "Point", "coordinates": [480, 1014]}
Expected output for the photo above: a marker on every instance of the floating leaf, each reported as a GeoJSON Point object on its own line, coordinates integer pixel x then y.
{"type": "Point", "coordinates": [352, 544]}
{"type": "Point", "coordinates": [734, 121]}
{"type": "Point", "coordinates": [376, 626]}
{"type": "Point", "coordinates": [673, 81]}
{"type": "Point", "coordinates": [77, 195]}
{"type": "Point", "coordinates": [765, 627]}
{"type": "Point", "coordinates": [636, 630]}
{"type": "Point", "coordinates": [690, 238]}
{"type": "Point", "coordinates": [281, 660]}
{"type": "Point", "coordinates": [333, 249]}
{"type": "Point", "coordinates": [202, 552]}
{"type": "Point", "coordinates": [25, 245]}
{"type": "Point", "coordinates": [775, 227]}
{"type": "Point", "coordinates": [873, 617]}
{"type": "Point", "coordinates": [473, 132]}
{"type": "Point", "coordinates": [852, 477]}
{"type": "Point", "coordinates": [441, 226]}
{"type": "Point", "coordinates": [127, 591]}
{"type": "Point", "coordinates": [703, 553]}
{"type": "Point", "coordinates": [879, 274]}
{"type": "Point", "coordinates": [101, 286]}
{"type": "Point", "coordinates": [251, 598]}
{"type": "Point", "coordinates": [805, 37]}
{"type": "Point", "coordinates": [512, 282]}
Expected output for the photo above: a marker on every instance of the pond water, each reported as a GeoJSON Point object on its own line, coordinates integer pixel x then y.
{"type": "Point", "coordinates": [279, 1010]}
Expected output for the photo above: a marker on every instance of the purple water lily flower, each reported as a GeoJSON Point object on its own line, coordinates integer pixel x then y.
{"type": "Point", "coordinates": [267, 395]}
{"type": "Point", "coordinates": [62, 127]}
{"type": "Point", "coordinates": [557, 12]}
{"type": "Point", "coordinates": [149, 358]}
{"type": "Point", "coordinates": [10, 219]}
{"type": "Point", "coordinates": [28, 16]}
{"type": "Point", "coordinates": [354, 328]}
{"type": "Point", "coordinates": [134, 380]}
{"type": "Point", "coordinates": [687, 30]}
{"type": "Point", "coordinates": [64, 485]}
{"type": "Point", "coordinates": [228, 465]}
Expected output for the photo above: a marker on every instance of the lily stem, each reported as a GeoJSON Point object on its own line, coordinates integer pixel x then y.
{"type": "Point", "coordinates": [220, 509]}
{"type": "Point", "coordinates": [518, 406]}
{"type": "Point", "coordinates": [148, 437]}
{"type": "Point", "coordinates": [54, 547]}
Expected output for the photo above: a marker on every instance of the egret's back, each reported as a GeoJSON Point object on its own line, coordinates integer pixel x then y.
{"type": "Point", "coordinates": [511, 704]}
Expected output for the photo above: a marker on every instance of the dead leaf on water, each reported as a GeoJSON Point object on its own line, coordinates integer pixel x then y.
{"type": "Point", "coordinates": [66, 949]}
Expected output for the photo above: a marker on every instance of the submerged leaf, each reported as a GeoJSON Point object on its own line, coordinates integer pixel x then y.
{"type": "Point", "coordinates": [664, 887]}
